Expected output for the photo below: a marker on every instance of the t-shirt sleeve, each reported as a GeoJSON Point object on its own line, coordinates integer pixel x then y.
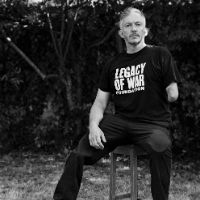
{"type": "Point", "coordinates": [104, 82]}
{"type": "Point", "coordinates": [170, 72]}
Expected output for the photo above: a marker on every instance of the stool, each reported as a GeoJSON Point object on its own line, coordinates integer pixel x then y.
{"type": "Point", "coordinates": [132, 151]}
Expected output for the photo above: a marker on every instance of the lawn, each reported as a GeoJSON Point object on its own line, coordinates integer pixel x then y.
{"type": "Point", "coordinates": [30, 176]}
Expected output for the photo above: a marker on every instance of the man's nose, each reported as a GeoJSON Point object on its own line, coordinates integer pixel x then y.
{"type": "Point", "coordinates": [133, 28]}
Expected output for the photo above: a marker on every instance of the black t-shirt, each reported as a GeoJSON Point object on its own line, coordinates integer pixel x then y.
{"type": "Point", "coordinates": [138, 84]}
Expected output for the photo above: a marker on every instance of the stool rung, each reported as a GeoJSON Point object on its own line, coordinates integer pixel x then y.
{"type": "Point", "coordinates": [132, 151]}
{"type": "Point", "coordinates": [122, 196]}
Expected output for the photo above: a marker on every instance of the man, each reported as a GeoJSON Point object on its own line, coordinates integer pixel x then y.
{"type": "Point", "coordinates": [142, 82]}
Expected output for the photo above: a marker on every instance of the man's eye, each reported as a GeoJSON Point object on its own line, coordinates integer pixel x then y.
{"type": "Point", "coordinates": [127, 25]}
{"type": "Point", "coordinates": [138, 24]}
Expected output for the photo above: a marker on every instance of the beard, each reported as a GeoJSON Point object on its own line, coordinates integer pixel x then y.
{"type": "Point", "coordinates": [134, 40]}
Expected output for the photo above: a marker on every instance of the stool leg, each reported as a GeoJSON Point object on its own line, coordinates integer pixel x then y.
{"type": "Point", "coordinates": [113, 176]}
{"type": "Point", "coordinates": [133, 169]}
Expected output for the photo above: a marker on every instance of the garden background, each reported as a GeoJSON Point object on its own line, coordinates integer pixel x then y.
{"type": "Point", "coordinates": [51, 55]}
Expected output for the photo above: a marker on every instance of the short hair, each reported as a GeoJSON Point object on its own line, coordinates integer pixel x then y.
{"type": "Point", "coordinates": [127, 11]}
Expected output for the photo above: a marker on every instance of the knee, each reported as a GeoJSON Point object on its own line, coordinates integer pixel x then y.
{"type": "Point", "coordinates": [75, 157]}
{"type": "Point", "coordinates": [87, 157]}
{"type": "Point", "coordinates": [90, 160]}
{"type": "Point", "coordinates": [160, 141]}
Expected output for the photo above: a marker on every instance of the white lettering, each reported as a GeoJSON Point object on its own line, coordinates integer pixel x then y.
{"type": "Point", "coordinates": [137, 70]}
{"type": "Point", "coordinates": [133, 70]}
{"type": "Point", "coordinates": [117, 84]}
{"type": "Point", "coordinates": [121, 84]}
{"type": "Point", "coordinates": [116, 74]}
{"type": "Point", "coordinates": [127, 72]}
{"type": "Point", "coordinates": [142, 67]}
{"type": "Point", "coordinates": [121, 73]}
{"type": "Point", "coordinates": [131, 82]}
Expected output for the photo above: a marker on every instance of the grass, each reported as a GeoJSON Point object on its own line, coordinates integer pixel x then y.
{"type": "Point", "coordinates": [28, 176]}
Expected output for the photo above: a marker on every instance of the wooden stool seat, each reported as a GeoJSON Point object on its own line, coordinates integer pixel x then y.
{"type": "Point", "coordinates": [132, 151]}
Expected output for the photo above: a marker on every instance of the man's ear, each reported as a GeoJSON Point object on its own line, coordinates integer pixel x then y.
{"type": "Point", "coordinates": [146, 31]}
{"type": "Point", "coordinates": [120, 33]}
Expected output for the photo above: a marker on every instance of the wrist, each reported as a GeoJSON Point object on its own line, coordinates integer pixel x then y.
{"type": "Point", "coordinates": [93, 125]}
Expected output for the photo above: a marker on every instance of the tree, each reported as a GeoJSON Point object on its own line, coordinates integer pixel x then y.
{"type": "Point", "coordinates": [69, 42]}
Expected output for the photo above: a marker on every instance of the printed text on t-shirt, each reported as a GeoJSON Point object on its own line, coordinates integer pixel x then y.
{"type": "Point", "coordinates": [132, 76]}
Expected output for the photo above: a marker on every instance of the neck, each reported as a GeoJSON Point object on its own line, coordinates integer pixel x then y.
{"type": "Point", "coordinates": [134, 48]}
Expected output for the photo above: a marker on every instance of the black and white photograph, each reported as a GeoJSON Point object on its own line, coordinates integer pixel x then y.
{"type": "Point", "coordinates": [99, 99]}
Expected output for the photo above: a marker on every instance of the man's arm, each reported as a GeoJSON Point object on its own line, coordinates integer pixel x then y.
{"type": "Point", "coordinates": [172, 92]}
{"type": "Point", "coordinates": [96, 136]}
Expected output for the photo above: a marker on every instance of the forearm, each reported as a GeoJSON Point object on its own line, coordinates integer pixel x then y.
{"type": "Point", "coordinates": [97, 110]}
{"type": "Point", "coordinates": [96, 136]}
{"type": "Point", "coordinates": [96, 114]}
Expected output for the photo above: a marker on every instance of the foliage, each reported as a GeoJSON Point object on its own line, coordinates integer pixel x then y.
{"type": "Point", "coordinates": [11, 117]}
{"type": "Point", "coordinates": [70, 83]}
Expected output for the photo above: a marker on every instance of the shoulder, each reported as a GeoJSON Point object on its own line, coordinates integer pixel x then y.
{"type": "Point", "coordinates": [116, 58]}
{"type": "Point", "coordinates": [159, 50]}
{"type": "Point", "coordinates": [156, 48]}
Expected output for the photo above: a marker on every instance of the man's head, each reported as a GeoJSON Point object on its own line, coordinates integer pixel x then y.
{"type": "Point", "coordinates": [132, 26]}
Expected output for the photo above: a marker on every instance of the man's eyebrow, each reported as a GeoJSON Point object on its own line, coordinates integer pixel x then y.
{"type": "Point", "coordinates": [140, 22]}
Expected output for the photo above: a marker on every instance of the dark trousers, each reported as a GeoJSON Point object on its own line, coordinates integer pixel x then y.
{"type": "Point", "coordinates": [152, 138]}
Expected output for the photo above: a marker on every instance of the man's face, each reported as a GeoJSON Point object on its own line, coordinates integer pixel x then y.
{"type": "Point", "coordinates": [133, 29]}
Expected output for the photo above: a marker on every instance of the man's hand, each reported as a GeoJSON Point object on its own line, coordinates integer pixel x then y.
{"type": "Point", "coordinates": [96, 137]}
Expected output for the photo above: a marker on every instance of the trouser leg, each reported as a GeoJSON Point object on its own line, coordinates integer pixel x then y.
{"type": "Point", "coordinates": [157, 142]}
{"type": "Point", "coordinates": [160, 163]}
{"type": "Point", "coordinates": [70, 181]}
{"type": "Point", "coordinates": [160, 167]}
